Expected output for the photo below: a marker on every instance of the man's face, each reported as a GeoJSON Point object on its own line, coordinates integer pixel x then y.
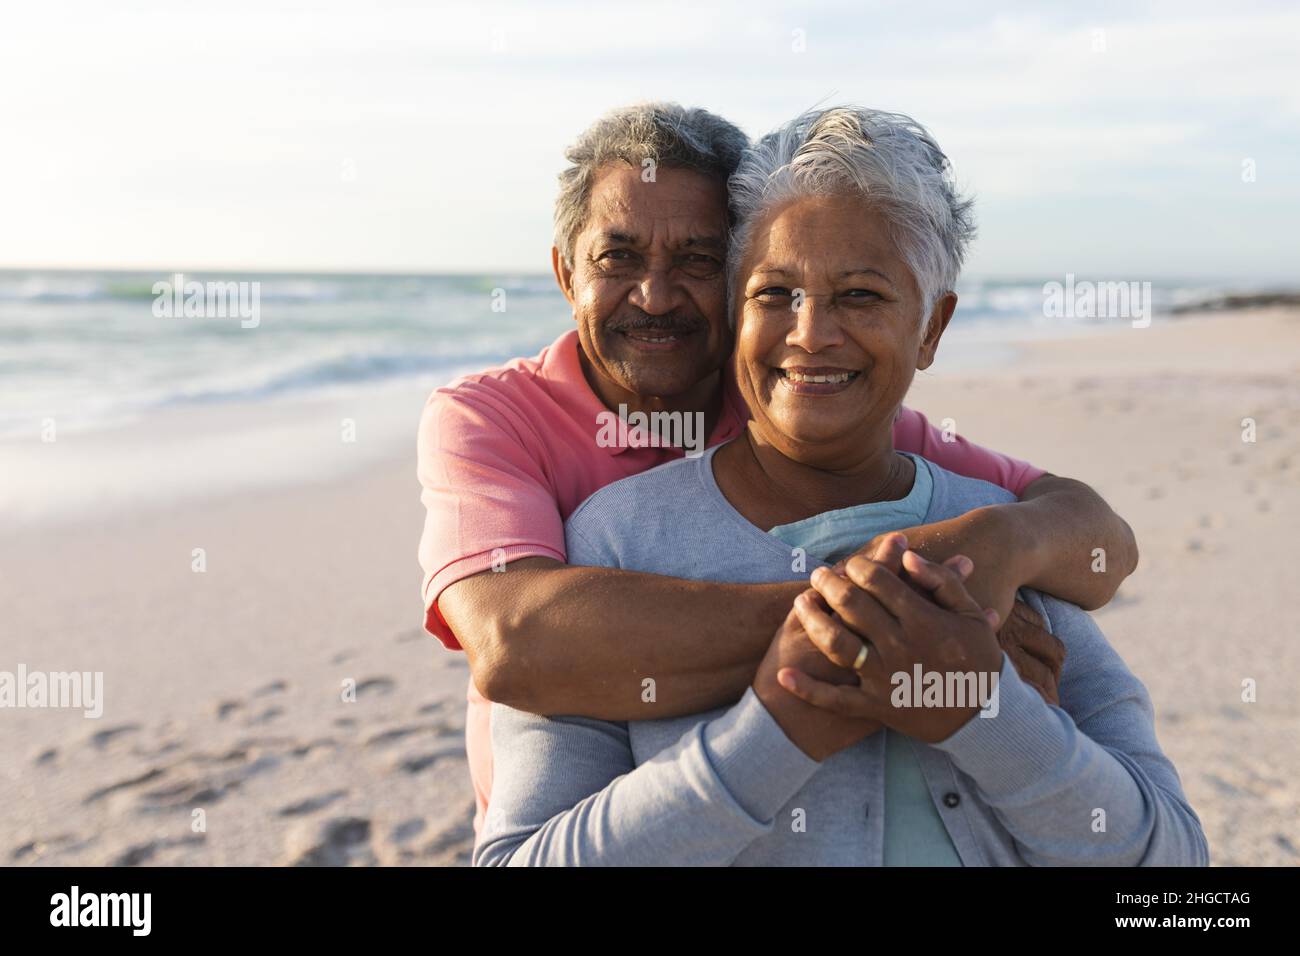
{"type": "Point", "coordinates": [647, 286]}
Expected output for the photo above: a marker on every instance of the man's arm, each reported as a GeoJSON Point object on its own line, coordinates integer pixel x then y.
{"type": "Point", "coordinates": [1082, 550]}
{"type": "Point", "coordinates": [553, 638]}
{"type": "Point", "coordinates": [1047, 541]}
{"type": "Point", "coordinates": [1060, 538]}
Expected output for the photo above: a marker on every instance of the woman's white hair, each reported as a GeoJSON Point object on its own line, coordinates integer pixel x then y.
{"type": "Point", "coordinates": [888, 159]}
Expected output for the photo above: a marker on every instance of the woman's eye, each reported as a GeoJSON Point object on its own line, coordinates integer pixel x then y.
{"type": "Point", "coordinates": [772, 292]}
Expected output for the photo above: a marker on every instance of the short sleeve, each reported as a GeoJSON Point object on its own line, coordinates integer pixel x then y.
{"type": "Point", "coordinates": [914, 433]}
{"type": "Point", "coordinates": [486, 490]}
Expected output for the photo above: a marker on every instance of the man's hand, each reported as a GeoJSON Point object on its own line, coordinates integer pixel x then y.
{"type": "Point", "coordinates": [1038, 654]}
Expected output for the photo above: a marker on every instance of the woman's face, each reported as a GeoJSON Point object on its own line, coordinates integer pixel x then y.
{"type": "Point", "coordinates": [829, 330]}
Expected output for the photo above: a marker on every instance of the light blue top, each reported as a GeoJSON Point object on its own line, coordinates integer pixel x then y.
{"type": "Point", "coordinates": [1085, 783]}
{"type": "Point", "coordinates": [914, 831]}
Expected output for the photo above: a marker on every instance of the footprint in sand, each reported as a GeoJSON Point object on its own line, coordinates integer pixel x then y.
{"type": "Point", "coordinates": [454, 844]}
{"type": "Point", "coordinates": [312, 804]}
{"type": "Point", "coordinates": [320, 743]}
{"type": "Point", "coordinates": [143, 852]}
{"type": "Point", "coordinates": [385, 737]}
{"type": "Point", "coordinates": [208, 788]}
{"type": "Point", "coordinates": [46, 757]}
{"type": "Point", "coordinates": [275, 687]}
{"type": "Point", "coordinates": [421, 762]}
{"type": "Point", "coordinates": [187, 794]}
{"type": "Point", "coordinates": [131, 782]}
{"type": "Point", "coordinates": [265, 717]}
{"type": "Point", "coordinates": [440, 729]}
{"type": "Point", "coordinates": [407, 830]}
{"type": "Point", "coordinates": [65, 845]}
{"type": "Point", "coordinates": [376, 686]}
{"type": "Point", "coordinates": [106, 736]}
{"type": "Point", "coordinates": [227, 707]}
{"type": "Point", "coordinates": [338, 841]}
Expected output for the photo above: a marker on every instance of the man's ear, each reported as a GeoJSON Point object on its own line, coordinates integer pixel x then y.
{"type": "Point", "coordinates": [563, 273]}
{"type": "Point", "coordinates": [940, 316]}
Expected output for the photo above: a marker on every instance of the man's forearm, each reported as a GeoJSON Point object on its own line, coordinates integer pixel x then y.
{"type": "Point", "coordinates": [1081, 550]}
{"type": "Point", "coordinates": [550, 638]}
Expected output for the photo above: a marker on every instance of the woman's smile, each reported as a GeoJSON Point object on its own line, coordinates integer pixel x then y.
{"type": "Point", "coordinates": [814, 380]}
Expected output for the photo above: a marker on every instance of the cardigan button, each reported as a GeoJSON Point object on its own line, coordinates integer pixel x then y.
{"type": "Point", "coordinates": [951, 800]}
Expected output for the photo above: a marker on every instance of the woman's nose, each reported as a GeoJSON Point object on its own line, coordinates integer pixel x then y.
{"type": "Point", "coordinates": [815, 327]}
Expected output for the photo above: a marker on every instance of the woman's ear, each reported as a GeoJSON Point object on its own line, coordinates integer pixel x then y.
{"type": "Point", "coordinates": [563, 273]}
{"type": "Point", "coordinates": [940, 316]}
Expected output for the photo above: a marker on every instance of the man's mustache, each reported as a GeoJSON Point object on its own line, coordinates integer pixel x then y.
{"type": "Point", "coordinates": [671, 322]}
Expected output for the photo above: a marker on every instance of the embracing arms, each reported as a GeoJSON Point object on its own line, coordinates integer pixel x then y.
{"type": "Point", "coordinates": [1083, 785]}
{"type": "Point", "coordinates": [553, 638]}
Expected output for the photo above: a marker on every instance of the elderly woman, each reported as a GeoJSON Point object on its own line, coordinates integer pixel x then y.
{"type": "Point", "coordinates": [848, 242]}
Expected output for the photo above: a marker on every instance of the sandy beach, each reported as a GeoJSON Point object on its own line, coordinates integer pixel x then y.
{"type": "Point", "coordinates": [225, 690]}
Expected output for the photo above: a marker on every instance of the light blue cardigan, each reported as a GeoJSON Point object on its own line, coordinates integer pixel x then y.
{"type": "Point", "coordinates": [1081, 784]}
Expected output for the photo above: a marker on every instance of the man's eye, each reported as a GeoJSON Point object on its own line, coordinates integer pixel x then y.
{"type": "Point", "coordinates": [699, 265]}
{"type": "Point", "coordinates": [860, 294]}
{"type": "Point", "coordinates": [772, 293]}
{"type": "Point", "coordinates": [614, 255]}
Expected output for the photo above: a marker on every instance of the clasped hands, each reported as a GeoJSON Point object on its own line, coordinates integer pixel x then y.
{"type": "Point", "coordinates": [907, 611]}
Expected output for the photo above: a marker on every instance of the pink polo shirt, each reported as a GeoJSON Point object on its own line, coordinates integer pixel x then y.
{"type": "Point", "coordinates": [506, 455]}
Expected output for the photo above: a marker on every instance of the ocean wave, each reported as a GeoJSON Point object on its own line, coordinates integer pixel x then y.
{"type": "Point", "coordinates": [306, 289]}
{"type": "Point", "coordinates": [328, 372]}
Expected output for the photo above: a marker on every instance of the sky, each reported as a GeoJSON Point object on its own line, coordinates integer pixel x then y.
{"type": "Point", "coordinates": [1111, 139]}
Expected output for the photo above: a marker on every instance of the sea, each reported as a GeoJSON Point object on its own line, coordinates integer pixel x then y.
{"type": "Point", "coordinates": [93, 350]}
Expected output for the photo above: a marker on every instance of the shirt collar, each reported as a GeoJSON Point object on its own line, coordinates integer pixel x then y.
{"type": "Point", "coordinates": [562, 366]}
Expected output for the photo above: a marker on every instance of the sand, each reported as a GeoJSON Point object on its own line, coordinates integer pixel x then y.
{"type": "Point", "coordinates": [224, 690]}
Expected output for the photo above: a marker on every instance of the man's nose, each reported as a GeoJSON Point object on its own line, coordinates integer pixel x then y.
{"type": "Point", "coordinates": [815, 326]}
{"type": "Point", "coordinates": [656, 292]}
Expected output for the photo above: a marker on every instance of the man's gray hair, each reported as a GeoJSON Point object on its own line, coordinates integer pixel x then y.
{"type": "Point", "coordinates": [888, 159]}
{"type": "Point", "coordinates": [665, 133]}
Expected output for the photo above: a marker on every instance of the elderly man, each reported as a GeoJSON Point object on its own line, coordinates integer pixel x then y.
{"type": "Point", "coordinates": [505, 456]}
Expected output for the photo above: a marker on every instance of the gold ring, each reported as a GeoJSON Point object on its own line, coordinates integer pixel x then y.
{"type": "Point", "coordinates": [862, 657]}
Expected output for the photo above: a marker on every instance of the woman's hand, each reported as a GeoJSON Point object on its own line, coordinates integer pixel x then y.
{"type": "Point", "coordinates": [816, 731]}
{"type": "Point", "coordinates": [944, 631]}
